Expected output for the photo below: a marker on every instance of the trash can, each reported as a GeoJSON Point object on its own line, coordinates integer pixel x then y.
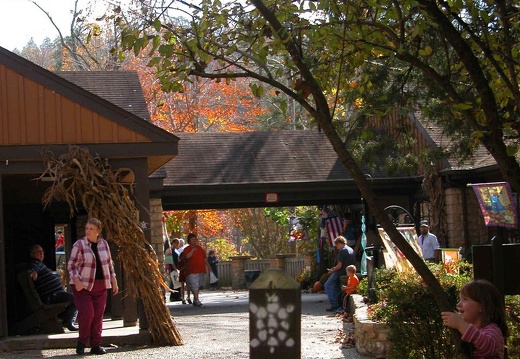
{"type": "Point", "coordinates": [251, 275]}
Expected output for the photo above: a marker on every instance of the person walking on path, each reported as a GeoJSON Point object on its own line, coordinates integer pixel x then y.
{"type": "Point", "coordinates": [345, 258]}
{"type": "Point", "coordinates": [91, 273]}
{"type": "Point", "coordinates": [428, 242]}
{"type": "Point", "coordinates": [49, 287]}
{"type": "Point", "coordinates": [196, 267]}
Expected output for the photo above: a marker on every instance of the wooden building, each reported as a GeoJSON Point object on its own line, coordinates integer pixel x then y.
{"type": "Point", "coordinates": [41, 111]}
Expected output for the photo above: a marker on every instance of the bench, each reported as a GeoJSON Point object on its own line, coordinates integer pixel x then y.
{"type": "Point", "coordinates": [42, 318]}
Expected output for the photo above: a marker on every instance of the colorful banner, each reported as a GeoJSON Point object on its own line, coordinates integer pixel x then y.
{"type": "Point", "coordinates": [497, 204]}
{"type": "Point", "coordinates": [297, 230]}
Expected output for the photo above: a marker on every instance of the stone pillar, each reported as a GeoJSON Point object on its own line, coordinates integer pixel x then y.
{"type": "Point", "coordinates": [278, 261]}
{"type": "Point", "coordinates": [309, 259]}
{"type": "Point", "coordinates": [275, 316]}
{"type": "Point", "coordinates": [156, 228]}
{"type": "Point", "coordinates": [238, 267]}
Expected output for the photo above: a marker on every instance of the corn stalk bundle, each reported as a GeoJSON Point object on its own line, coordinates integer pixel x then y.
{"type": "Point", "coordinates": [85, 181]}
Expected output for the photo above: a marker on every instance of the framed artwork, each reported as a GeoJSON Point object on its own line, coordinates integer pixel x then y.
{"type": "Point", "coordinates": [497, 204]}
{"type": "Point", "coordinates": [394, 258]}
{"type": "Point", "coordinates": [449, 255]}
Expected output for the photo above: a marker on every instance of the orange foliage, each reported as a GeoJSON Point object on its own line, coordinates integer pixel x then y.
{"type": "Point", "coordinates": [207, 224]}
{"type": "Point", "coordinates": [204, 105]}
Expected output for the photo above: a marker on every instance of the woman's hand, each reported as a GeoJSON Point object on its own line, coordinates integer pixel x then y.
{"type": "Point", "coordinates": [115, 288]}
{"type": "Point", "coordinates": [77, 284]}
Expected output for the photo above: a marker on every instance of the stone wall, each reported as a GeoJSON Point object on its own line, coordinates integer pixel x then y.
{"type": "Point", "coordinates": [371, 337]}
{"type": "Point", "coordinates": [156, 233]}
{"type": "Point", "coordinates": [460, 226]}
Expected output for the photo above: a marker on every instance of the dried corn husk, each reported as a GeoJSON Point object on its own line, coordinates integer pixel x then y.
{"type": "Point", "coordinates": [84, 181]}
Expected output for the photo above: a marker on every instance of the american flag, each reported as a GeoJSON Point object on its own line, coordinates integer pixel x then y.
{"type": "Point", "coordinates": [333, 225]}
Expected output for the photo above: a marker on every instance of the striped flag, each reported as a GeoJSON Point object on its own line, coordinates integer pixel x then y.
{"type": "Point", "coordinates": [333, 225]}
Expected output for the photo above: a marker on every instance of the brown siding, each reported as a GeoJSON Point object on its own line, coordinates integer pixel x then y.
{"type": "Point", "coordinates": [31, 114]}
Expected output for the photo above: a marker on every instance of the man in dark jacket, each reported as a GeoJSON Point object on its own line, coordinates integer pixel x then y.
{"type": "Point", "coordinates": [49, 287]}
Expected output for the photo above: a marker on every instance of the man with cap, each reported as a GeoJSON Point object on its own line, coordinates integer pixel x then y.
{"type": "Point", "coordinates": [428, 242]}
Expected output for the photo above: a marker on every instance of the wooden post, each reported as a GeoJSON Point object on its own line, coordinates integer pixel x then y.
{"type": "Point", "coordinates": [497, 250]}
{"type": "Point", "coordinates": [275, 316]}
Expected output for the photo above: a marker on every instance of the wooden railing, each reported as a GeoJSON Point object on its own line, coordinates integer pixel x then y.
{"type": "Point", "coordinates": [293, 267]}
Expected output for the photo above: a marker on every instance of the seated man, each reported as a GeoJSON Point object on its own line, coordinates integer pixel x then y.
{"type": "Point", "coordinates": [50, 288]}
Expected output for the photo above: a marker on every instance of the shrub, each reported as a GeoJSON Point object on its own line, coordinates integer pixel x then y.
{"type": "Point", "coordinates": [416, 328]}
{"type": "Point", "coordinates": [513, 322]}
{"type": "Point", "coordinates": [324, 277]}
{"type": "Point", "coordinates": [407, 307]}
{"type": "Point", "coordinates": [305, 278]}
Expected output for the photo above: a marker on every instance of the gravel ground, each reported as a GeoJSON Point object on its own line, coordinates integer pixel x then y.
{"type": "Point", "coordinates": [220, 329]}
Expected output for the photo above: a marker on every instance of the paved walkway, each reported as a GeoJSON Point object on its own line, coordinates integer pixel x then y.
{"type": "Point", "coordinates": [218, 329]}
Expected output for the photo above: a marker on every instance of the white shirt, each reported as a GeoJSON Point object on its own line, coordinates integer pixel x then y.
{"type": "Point", "coordinates": [428, 244]}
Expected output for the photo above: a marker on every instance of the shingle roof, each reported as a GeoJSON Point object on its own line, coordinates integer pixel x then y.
{"type": "Point", "coordinates": [482, 158]}
{"type": "Point", "coordinates": [122, 88]}
{"type": "Point", "coordinates": [254, 157]}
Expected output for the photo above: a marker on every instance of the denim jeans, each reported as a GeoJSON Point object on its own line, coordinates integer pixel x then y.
{"type": "Point", "coordinates": [333, 289]}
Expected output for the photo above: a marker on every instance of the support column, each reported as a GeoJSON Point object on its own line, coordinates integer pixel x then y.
{"type": "Point", "coordinates": [238, 267]}
{"type": "Point", "coordinates": [142, 199]}
{"type": "Point", "coordinates": [278, 261]}
{"type": "Point", "coordinates": [3, 284]}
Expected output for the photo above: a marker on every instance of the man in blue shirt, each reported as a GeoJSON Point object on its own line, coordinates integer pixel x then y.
{"type": "Point", "coordinates": [345, 257]}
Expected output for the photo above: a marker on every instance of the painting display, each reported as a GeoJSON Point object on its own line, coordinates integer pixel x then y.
{"type": "Point", "coordinates": [497, 204]}
{"type": "Point", "coordinates": [394, 258]}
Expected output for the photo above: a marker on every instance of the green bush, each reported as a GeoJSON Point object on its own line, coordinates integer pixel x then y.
{"type": "Point", "coordinates": [324, 277]}
{"type": "Point", "coordinates": [513, 322]}
{"type": "Point", "coordinates": [416, 329]}
{"type": "Point", "coordinates": [305, 278]}
{"type": "Point", "coordinates": [413, 317]}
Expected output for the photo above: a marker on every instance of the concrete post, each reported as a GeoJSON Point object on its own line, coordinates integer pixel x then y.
{"type": "Point", "coordinates": [238, 267]}
{"type": "Point", "coordinates": [275, 316]}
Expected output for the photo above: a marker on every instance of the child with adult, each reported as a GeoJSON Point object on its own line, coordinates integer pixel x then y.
{"type": "Point", "coordinates": [481, 319]}
{"type": "Point", "coordinates": [350, 288]}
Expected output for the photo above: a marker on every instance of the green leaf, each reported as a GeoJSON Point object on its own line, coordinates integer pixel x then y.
{"type": "Point", "coordinates": [157, 25]}
{"type": "Point", "coordinates": [511, 150]}
{"type": "Point", "coordinates": [138, 45]}
{"type": "Point", "coordinates": [283, 107]}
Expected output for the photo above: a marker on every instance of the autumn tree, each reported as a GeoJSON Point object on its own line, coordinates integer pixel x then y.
{"type": "Point", "coordinates": [214, 229]}
{"type": "Point", "coordinates": [262, 235]}
{"type": "Point", "coordinates": [202, 105]}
